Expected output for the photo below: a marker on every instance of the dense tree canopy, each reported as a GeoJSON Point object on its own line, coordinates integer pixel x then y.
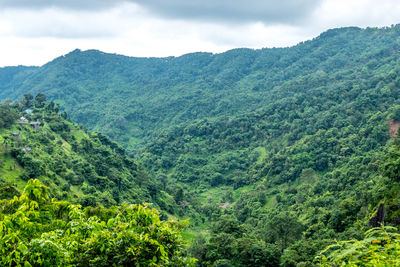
{"type": "Point", "coordinates": [272, 153]}
{"type": "Point", "coordinates": [38, 231]}
{"type": "Point", "coordinates": [82, 167]}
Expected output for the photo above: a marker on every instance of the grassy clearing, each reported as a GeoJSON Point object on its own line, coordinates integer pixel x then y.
{"type": "Point", "coordinates": [191, 233]}
{"type": "Point", "coordinates": [79, 135]}
{"type": "Point", "coordinates": [263, 154]}
{"type": "Point", "coordinates": [10, 170]}
{"type": "Point", "coordinates": [215, 194]}
{"type": "Point", "coordinates": [239, 191]}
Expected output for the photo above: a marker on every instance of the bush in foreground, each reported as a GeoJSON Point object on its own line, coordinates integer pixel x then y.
{"type": "Point", "coordinates": [38, 231]}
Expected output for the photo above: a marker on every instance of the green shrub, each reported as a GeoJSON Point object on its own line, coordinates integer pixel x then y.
{"type": "Point", "coordinates": [45, 232]}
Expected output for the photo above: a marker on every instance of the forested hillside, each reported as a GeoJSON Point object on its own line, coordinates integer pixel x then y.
{"type": "Point", "coordinates": [130, 99]}
{"type": "Point", "coordinates": [273, 154]}
{"type": "Point", "coordinates": [77, 165]}
{"type": "Point", "coordinates": [45, 157]}
{"type": "Point", "coordinates": [291, 176]}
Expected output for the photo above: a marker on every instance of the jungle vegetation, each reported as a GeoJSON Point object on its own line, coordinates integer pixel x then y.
{"type": "Point", "coordinates": [273, 154]}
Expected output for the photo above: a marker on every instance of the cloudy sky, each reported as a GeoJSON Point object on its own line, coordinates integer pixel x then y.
{"type": "Point", "coordinates": [33, 32]}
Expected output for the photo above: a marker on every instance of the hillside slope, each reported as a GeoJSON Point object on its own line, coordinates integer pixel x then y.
{"type": "Point", "coordinates": [131, 99]}
{"type": "Point", "coordinates": [77, 165]}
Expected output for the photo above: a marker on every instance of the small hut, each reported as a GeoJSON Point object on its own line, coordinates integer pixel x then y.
{"type": "Point", "coordinates": [22, 121]}
{"type": "Point", "coordinates": [35, 124]}
{"type": "Point", "coordinates": [27, 149]}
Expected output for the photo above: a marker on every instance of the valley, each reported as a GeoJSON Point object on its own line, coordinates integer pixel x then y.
{"type": "Point", "coordinates": [272, 154]}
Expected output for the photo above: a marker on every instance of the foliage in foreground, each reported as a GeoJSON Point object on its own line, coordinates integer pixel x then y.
{"type": "Point", "coordinates": [380, 247]}
{"type": "Point", "coordinates": [36, 230]}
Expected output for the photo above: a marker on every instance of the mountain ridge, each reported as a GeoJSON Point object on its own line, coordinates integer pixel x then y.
{"type": "Point", "coordinates": [146, 90]}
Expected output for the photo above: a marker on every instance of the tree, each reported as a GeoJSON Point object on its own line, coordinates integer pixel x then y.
{"type": "Point", "coordinates": [380, 247]}
{"type": "Point", "coordinates": [27, 101]}
{"type": "Point", "coordinates": [391, 165]}
{"type": "Point", "coordinates": [283, 229]}
{"type": "Point", "coordinates": [40, 100]}
{"type": "Point", "coordinates": [7, 116]}
{"type": "Point", "coordinates": [36, 230]}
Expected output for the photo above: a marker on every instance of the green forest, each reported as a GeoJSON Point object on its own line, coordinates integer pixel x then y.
{"type": "Point", "coordinates": [269, 157]}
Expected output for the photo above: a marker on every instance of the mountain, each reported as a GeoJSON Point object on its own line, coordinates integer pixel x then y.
{"type": "Point", "coordinates": [131, 99]}
{"type": "Point", "coordinates": [273, 153]}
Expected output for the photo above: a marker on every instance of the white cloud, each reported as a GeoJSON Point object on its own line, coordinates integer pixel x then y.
{"type": "Point", "coordinates": [275, 11]}
{"type": "Point", "coordinates": [361, 13]}
{"type": "Point", "coordinates": [35, 36]}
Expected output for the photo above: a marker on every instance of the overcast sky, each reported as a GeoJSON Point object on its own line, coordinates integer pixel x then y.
{"type": "Point", "coordinates": [33, 32]}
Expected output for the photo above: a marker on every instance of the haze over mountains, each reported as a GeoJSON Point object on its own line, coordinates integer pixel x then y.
{"type": "Point", "coordinates": [271, 153]}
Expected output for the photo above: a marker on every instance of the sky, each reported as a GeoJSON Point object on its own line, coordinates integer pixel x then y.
{"type": "Point", "coordinates": [33, 32]}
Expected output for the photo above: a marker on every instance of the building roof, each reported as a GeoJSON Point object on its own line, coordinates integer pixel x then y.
{"type": "Point", "coordinates": [27, 149]}
{"type": "Point", "coordinates": [22, 120]}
